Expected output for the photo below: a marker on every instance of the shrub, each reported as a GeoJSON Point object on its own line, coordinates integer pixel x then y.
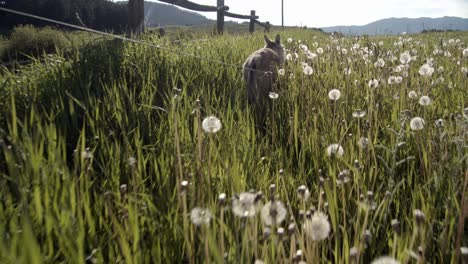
{"type": "Point", "coordinates": [31, 41]}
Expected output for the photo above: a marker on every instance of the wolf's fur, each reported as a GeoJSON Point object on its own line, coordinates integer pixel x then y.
{"type": "Point", "coordinates": [267, 59]}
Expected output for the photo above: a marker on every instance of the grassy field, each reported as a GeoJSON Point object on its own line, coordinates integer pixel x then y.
{"type": "Point", "coordinates": [104, 155]}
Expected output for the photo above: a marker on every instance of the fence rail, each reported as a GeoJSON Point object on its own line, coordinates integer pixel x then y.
{"type": "Point", "coordinates": [222, 11]}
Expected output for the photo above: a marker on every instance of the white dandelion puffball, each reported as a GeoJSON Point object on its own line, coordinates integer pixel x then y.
{"type": "Point", "coordinates": [344, 51]}
{"type": "Point", "coordinates": [273, 212]}
{"type": "Point", "coordinates": [385, 260]}
{"type": "Point", "coordinates": [347, 71]}
{"type": "Point", "coordinates": [303, 193]}
{"type": "Point", "coordinates": [288, 56]}
{"type": "Point", "coordinates": [380, 63]}
{"type": "Point", "coordinates": [426, 70]}
{"type": "Point", "coordinates": [290, 40]}
{"type": "Point", "coordinates": [363, 143]}
{"type": "Point", "coordinates": [273, 95]}
{"type": "Point", "coordinates": [334, 94]}
{"type": "Point", "coordinates": [86, 154]}
{"type": "Point", "coordinates": [464, 70]}
{"type": "Point", "coordinates": [391, 80]}
{"type": "Point", "coordinates": [465, 52]}
{"type": "Point", "coordinates": [318, 227]}
{"type": "Point", "coordinates": [281, 72]}
{"type": "Point", "coordinates": [311, 55]}
{"type": "Point", "coordinates": [373, 83]}
{"type": "Point", "coordinates": [359, 113]}
{"type": "Point", "coordinates": [335, 150]}
{"type": "Point", "coordinates": [200, 216]}
{"type": "Point", "coordinates": [211, 124]}
{"type": "Point", "coordinates": [398, 79]}
{"type": "Point", "coordinates": [439, 122]}
{"type": "Point", "coordinates": [244, 205]}
{"type": "Point", "coordinates": [319, 50]}
{"type": "Point", "coordinates": [308, 70]}
{"type": "Point", "coordinates": [405, 58]}
{"type": "Point", "coordinates": [425, 100]}
{"type": "Point", "coordinates": [412, 95]}
{"type": "Point", "coordinates": [417, 123]}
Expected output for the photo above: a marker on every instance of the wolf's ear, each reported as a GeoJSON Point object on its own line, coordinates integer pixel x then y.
{"type": "Point", "coordinates": [278, 39]}
{"type": "Point", "coordinates": [267, 40]}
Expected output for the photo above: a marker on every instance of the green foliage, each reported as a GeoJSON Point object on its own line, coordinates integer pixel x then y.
{"type": "Point", "coordinates": [94, 148]}
{"type": "Point", "coordinates": [28, 41]}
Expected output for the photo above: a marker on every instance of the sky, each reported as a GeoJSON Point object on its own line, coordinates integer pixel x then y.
{"type": "Point", "coordinates": [340, 12]}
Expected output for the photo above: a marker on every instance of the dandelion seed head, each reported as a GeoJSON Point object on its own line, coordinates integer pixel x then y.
{"type": "Point", "coordinates": [200, 216]}
{"type": "Point", "coordinates": [311, 55]}
{"type": "Point", "coordinates": [425, 100]}
{"type": "Point", "coordinates": [412, 95]}
{"type": "Point", "coordinates": [385, 260]}
{"type": "Point", "coordinates": [335, 150]}
{"type": "Point", "coordinates": [363, 143]}
{"type": "Point", "coordinates": [211, 124]}
{"type": "Point", "coordinates": [273, 95]}
{"type": "Point", "coordinates": [359, 113]}
{"type": "Point", "coordinates": [419, 216]}
{"type": "Point", "coordinates": [347, 71]}
{"type": "Point", "coordinates": [319, 50]}
{"type": "Point", "coordinates": [317, 228]}
{"type": "Point", "coordinates": [303, 193]}
{"type": "Point", "coordinates": [132, 161]}
{"type": "Point", "coordinates": [308, 70]}
{"type": "Point", "coordinates": [405, 58]}
{"type": "Point", "coordinates": [274, 212]}
{"type": "Point", "coordinates": [334, 94]}
{"type": "Point", "coordinates": [373, 83]}
{"type": "Point", "coordinates": [464, 251]}
{"type": "Point", "coordinates": [465, 52]}
{"type": "Point", "coordinates": [244, 205]}
{"type": "Point", "coordinates": [398, 79]}
{"type": "Point", "coordinates": [281, 72]}
{"type": "Point", "coordinates": [417, 123]}
{"type": "Point", "coordinates": [380, 63]}
{"type": "Point", "coordinates": [426, 70]}
{"type": "Point", "coordinates": [464, 70]}
{"type": "Point", "coordinates": [86, 154]}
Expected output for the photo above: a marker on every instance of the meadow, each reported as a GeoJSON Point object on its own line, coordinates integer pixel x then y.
{"type": "Point", "coordinates": [121, 152]}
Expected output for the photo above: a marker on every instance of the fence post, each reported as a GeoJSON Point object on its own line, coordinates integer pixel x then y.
{"type": "Point", "coordinates": [267, 28]}
{"type": "Point", "coordinates": [136, 16]}
{"type": "Point", "coordinates": [252, 21]}
{"type": "Point", "coordinates": [220, 18]}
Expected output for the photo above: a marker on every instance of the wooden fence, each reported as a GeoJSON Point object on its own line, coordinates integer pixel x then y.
{"type": "Point", "coordinates": [222, 11]}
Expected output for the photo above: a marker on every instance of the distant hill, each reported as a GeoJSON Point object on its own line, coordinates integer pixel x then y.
{"type": "Point", "coordinates": [163, 14]}
{"type": "Point", "coordinates": [392, 26]}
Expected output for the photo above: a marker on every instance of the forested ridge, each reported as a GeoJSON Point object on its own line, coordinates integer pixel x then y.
{"type": "Point", "coordinates": [97, 14]}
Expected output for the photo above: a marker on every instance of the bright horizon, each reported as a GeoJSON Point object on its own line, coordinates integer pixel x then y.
{"type": "Point", "coordinates": [339, 12]}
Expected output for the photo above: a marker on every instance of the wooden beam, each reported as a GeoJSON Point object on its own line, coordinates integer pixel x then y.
{"type": "Point", "coordinates": [233, 15]}
{"type": "Point", "coordinates": [267, 24]}
{"type": "Point", "coordinates": [194, 6]}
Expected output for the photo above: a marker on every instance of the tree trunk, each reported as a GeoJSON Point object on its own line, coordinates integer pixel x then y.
{"type": "Point", "coordinates": [136, 16]}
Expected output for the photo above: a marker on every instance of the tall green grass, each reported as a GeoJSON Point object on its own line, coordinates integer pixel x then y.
{"type": "Point", "coordinates": [104, 157]}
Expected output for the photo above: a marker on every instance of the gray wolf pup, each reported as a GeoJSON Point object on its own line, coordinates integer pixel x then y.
{"type": "Point", "coordinates": [260, 70]}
